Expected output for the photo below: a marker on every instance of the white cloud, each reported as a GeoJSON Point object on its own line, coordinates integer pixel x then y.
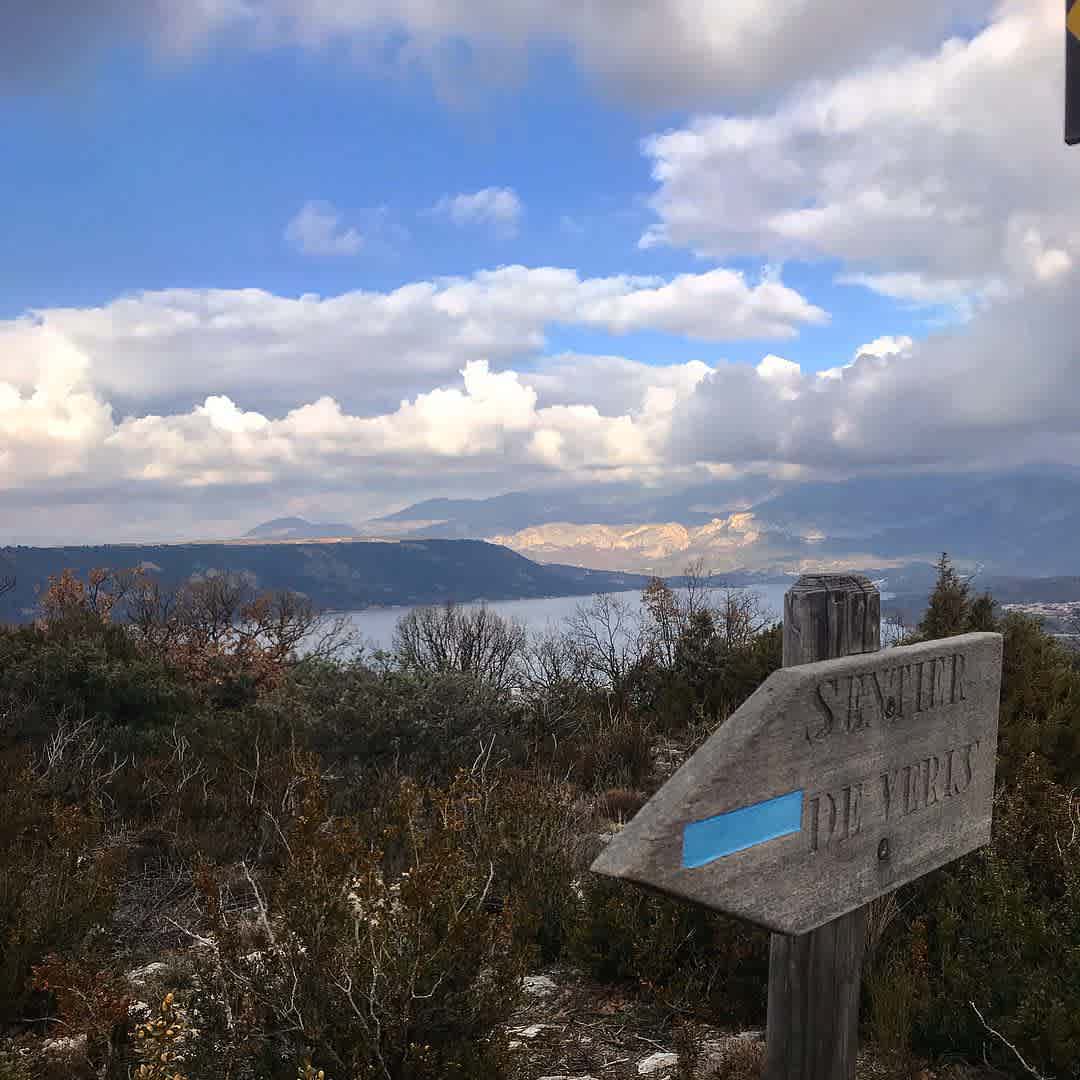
{"type": "Point", "coordinates": [671, 52]}
{"type": "Point", "coordinates": [317, 230]}
{"type": "Point", "coordinates": [165, 350]}
{"type": "Point", "coordinates": [921, 290]}
{"type": "Point", "coordinates": [705, 306]}
{"type": "Point", "coordinates": [885, 346]}
{"type": "Point", "coordinates": [999, 391]}
{"type": "Point", "coordinates": [498, 206]}
{"type": "Point", "coordinates": [935, 177]}
{"type": "Point", "coordinates": [614, 384]}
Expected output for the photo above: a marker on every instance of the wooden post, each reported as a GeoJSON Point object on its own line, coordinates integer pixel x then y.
{"type": "Point", "coordinates": [812, 1024]}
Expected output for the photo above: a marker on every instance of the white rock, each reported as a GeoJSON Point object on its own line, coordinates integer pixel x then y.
{"type": "Point", "coordinates": [65, 1044]}
{"type": "Point", "coordinates": [656, 1062]}
{"type": "Point", "coordinates": [540, 985]}
{"type": "Point", "coordinates": [529, 1032]}
{"type": "Point", "coordinates": [139, 975]}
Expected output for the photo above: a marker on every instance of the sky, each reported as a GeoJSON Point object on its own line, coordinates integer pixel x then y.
{"type": "Point", "coordinates": [267, 257]}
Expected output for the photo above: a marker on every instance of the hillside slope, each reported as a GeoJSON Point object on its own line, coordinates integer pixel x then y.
{"type": "Point", "coordinates": [337, 576]}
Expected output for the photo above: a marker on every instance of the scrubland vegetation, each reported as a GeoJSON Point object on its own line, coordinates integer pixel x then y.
{"type": "Point", "coordinates": [220, 861]}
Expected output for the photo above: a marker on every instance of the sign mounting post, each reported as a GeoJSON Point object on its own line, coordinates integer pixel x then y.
{"type": "Point", "coordinates": [845, 775]}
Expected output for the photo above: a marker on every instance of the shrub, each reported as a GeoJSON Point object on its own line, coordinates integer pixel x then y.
{"type": "Point", "coordinates": [685, 957]}
{"type": "Point", "coordinates": [56, 884]}
{"type": "Point", "coordinates": [616, 753]}
{"type": "Point", "coordinates": [532, 836]}
{"type": "Point", "coordinates": [88, 1000]}
{"type": "Point", "coordinates": [422, 725]}
{"type": "Point", "coordinates": [1001, 931]}
{"type": "Point", "coordinates": [374, 971]}
{"type": "Point", "coordinates": [742, 1061]}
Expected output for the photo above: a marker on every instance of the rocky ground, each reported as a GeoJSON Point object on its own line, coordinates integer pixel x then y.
{"type": "Point", "coordinates": [568, 1027]}
{"type": "Point", "coordinates": [571, 1028]}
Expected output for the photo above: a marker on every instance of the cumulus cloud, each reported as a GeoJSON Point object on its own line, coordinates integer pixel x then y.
{"type": "Point", "coordinates": [498, 206]}
{"type": "Point", "coordinates": [935, 177]}
{"type": "Point", "coordinates": [165, 350]}
{"type": "Point", "coordinates": [317, 229]}
{"type": "Point", "coordinates": [885, 346]}
{"type": "Point", "coordinates": [921, 290]}
{"type": "Point", "coordinates": [717, 304]}
{"type": "Point", "coordinates": [1000, 391]}
{"type": "Point", "coordinates": [615, 385]}
{"type": "Point", "coordinates": [670, 52]}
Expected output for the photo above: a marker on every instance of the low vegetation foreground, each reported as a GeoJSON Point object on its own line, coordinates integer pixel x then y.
{"type": "Point", "coordinates": [222, 860]}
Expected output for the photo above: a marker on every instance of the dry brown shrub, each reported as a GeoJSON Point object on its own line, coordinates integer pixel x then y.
{"type": "Point", "coordinates": [743, 1060]}
{"type": "Point", "coordinates": [621, 804]}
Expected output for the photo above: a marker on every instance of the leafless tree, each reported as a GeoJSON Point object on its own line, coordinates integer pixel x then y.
{"type": "Point", "coordinates": [7, 584]}
{"type": "Point", "coordinates": [665, 619]}
{"type": "Point", "coordinates": [697, 588]}
{"type": "Point", "coordinates": [894, 630]}
{"type": "Point", "coordinates": [554, 679]}
{"type": "Point", "coordinates": [225, 611]}
{"type": "Point", "coordinates": [475, 641]}
{"type": "Point", "coordinates": [740, 615]}
{"type": "Point", "coordinates": [611, 637]}
{"type": "Point", "coordinates": [552, 660]}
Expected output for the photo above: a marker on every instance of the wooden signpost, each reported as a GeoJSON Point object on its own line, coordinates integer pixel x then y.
{"type": "Point", "coordinates": [845, 775]}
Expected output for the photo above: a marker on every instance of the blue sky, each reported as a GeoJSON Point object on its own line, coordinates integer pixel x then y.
{"type": "Point", "coordinates": [151, 175]}
{"type": "Point", "coordinates": [261, 255]}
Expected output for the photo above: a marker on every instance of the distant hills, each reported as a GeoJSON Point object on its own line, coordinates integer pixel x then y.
{"type": "Point", "coordinates": [1023, 522]}
{"type": "Point", "coordinates": [335, 576]}
{"type": "Point", "coordinates": [1020, 527]}
{"type": "Point", "coordinates": [297, 528]}
{"type": "Point", "coordinates": [617, 504]}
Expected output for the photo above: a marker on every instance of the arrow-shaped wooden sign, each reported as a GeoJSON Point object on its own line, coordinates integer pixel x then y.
{"type": "Point", "coordinates": [836, 782]}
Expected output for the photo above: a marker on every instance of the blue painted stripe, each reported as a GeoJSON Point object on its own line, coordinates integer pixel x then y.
{"type": "Point", "coordinates": [715, 837]}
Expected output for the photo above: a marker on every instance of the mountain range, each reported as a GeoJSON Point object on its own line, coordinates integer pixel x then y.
{"type": "Point", "coordinates": [1021, 522]}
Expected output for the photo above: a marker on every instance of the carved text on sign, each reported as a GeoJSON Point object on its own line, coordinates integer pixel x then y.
{"type": "Point", "coordinates": [835, 816]}
{"type": "Point", "coordinates": [842, 779]}
{"type": "Point", "coordinates": [853, 703]}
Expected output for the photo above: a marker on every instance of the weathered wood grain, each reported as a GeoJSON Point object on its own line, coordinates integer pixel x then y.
{"type": "Point", "coordinates": [845, 775]}
{"type": "Point", "coordinates": [812, 1030]}
{"type": "Point", "coordinates": [830, 615]}
{"type": "Point", "coordinates": [812, 1027]}
{"type": "Point", "coordinates": [894, 753]}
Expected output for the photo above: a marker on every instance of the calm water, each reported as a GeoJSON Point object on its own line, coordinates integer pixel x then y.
{"type": "Point", "coordinates": [374, 627]}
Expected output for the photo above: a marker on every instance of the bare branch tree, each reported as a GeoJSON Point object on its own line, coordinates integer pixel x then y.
{"type": "Point", "coordinates": [697, 587]}
{"type": "Point", "coordinates": [611, 638]}
{"type": "Point", "coordinates": [740, 616]}
{"type": "Point", "coordinates": [475, 641]}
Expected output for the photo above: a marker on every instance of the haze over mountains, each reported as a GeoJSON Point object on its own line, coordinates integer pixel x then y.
{"type": "Point", "coordinates": [1023, 521]}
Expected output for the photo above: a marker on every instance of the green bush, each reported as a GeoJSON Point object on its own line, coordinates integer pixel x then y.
{"type": "Point", "coordinates": [367, 970]}
{"type": "Point", "coordinates": [99, 673]}
{"type": "Point", "coordinates": [530, 833]}
{"type": "Point", "coordinates": [683, 956]}
{"type": "Point", "coordinates": [1002, 927]}
{"type": "Point", "coordinates": [57, 883]}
